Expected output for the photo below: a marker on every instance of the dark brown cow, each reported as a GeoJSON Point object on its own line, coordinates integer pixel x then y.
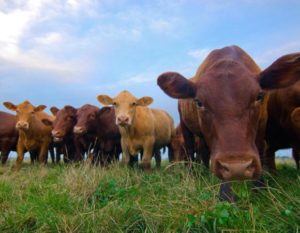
{"type": "Point", "coordinates": [8, 135]}
{"type": "Point", "coordinates": [34, 135]}
{"type": "Point", "coordinates": [62, 132]}
{"type": "Point", "coordinates": [283, 126]}
{"type": "Point", "coordinates": [224, 103]}
{"type": "Point", "coordinates": [96, 129]}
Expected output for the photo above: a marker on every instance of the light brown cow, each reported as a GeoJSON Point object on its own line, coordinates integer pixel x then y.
{"type": "Point", "coordinates": [141, 128]}
{"type": "Point", "coordinates": [34, 135]}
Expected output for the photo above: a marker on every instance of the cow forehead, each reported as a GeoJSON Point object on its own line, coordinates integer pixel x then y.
{"type": "Point", "coordinates": [221, 87]}
{"type": "Point", "coordinates": [87, 109]}
{"type": "Point", "coordinates": [125, 97]}
{"type": "Point", "coordinates": [25, 106]}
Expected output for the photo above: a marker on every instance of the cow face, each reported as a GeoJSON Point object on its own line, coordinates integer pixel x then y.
{"type": "Point", "coordinates": [65, 119]}
{"type": "Point", "coordinates": [230, 103]}
{"type": "Point", "coordinates": [87, 117]}
{"type": "Point", "coordinates": [125, 105]}
{"type": "Point", "coordinates": [25, 113]}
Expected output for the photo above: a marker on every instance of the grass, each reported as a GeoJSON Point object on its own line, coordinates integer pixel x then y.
{"type": "Point", "coordinates": [79, 198]}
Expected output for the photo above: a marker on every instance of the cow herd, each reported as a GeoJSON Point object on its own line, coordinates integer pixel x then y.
{"type": "Point", "coordinates": [233, 116]}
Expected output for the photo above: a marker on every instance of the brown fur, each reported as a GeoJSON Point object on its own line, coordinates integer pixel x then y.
{"type": "Point", "coordinates": [8, 135]}
{"type": "Point", "coordinates": [37, 137]}
{"type": "Point", "coordinates": [283, 128]}
{"type": "Point", "coordinates": [231, 116]}
{"type": "Point", "coordinates": [141, 128]}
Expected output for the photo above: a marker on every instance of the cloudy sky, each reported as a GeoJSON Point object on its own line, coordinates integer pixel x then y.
{"type": "Point", "coordinates": [57, 52]}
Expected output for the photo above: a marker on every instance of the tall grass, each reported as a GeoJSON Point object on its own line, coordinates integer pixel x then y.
{"type": "Point", "coordinates": [80, 198]}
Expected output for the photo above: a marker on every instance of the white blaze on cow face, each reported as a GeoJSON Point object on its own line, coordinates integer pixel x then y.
{"type": "Point", "coordinates": [125, 105]}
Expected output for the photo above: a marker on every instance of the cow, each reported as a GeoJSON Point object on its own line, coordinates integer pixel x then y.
{"type": "Point", "coordinates": [96, 128]}
{"type": "Point", "coordinates": [283, 125]}
{"type": "Point", "coordinates": [8, 135]}
{"type": "Point", "coordinates": [34, 135]}
{"type": "Point", "coordinates": [141, 128]}
{"type": "Point", "coordinates": [62, 132]}
{"type": "Point", "coordinates": [225, 104]}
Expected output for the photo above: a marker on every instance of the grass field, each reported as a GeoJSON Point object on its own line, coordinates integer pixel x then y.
{"type": "Point", "coordinates": [79, 198]}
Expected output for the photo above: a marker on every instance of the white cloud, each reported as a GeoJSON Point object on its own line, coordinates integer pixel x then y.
{"type": "Point", "coordinates": [199, 54]}
{"type": "Point", "coordinates": [268, 56]}
{"type": "Point", "coordinates": [50, 38]}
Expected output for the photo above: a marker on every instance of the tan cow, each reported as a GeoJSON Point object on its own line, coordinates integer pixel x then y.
{"type": "Point", "coordinates": [34, 135]}
{"type": "Point", "coordinates": [141, 128]}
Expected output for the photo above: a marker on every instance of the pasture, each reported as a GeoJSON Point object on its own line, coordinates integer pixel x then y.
{"type": "Point", "coordinates": [80, 198]}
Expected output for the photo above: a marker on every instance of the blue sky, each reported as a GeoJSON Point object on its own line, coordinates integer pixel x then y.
{"type": "Point", "coordinates": [57, 52]}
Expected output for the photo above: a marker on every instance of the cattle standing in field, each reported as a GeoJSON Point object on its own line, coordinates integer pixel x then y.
{"type": "Point", "coordinates": [96, 129]}
{"type": "Point", "coordinates": [224, 104]}
{"type": "Point", "coordinates": [180, 152]}
{"type": "Point", "coordinates": [141, 128]}
{"type": "Point", "coordinates": [283, 126]}
{"type": "Point", "coordinates": [8, 135]}
{"type": "Point", "coordinates": [62, 132]}
{"type": "Point", "coordinates": [34, 135]}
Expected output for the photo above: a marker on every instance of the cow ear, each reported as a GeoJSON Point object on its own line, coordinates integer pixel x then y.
{"type": "Point", "coordinates": [144, 101]}
{"type": "Point", "coordinates": [105, 99]}
{"type": "Point", "coordinates": [10, 106]}
{"type": "Point", "coordinates": [54, 110]}
{"type": "Point", "coordinates": [70, 108]}
{"type": "Point", "coordinates": [295, 116]}
{"type": "Point", "coordinates": [176, 86]}
{"type": "Point", "coordinates": [47, 122]}
{"type": "Point", "coordinates": [40, 108]}
{"type": "Point", "coordinates": [283, 72]}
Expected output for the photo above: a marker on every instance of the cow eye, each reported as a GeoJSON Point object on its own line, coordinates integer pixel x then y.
{"type": "Point", "coordinates": [114, 104]}
{"type": "Point", "coordinates": [260, 96]}
{"type": "Point", "coordinates": [133, 104]}
{"type": "Point", "coordinates": [198, 103]}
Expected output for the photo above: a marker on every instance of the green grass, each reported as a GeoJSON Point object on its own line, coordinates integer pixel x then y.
{"type": "Point", "coordinates": [118, 199]}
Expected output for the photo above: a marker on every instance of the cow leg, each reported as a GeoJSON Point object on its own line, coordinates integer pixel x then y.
{"type": "Point", "coordinates": [226, 193]}
{"type": "Point", "coordinates": [52, 155]}
{"type": "Point", "coordinates": [147, 154]}
{"type": "Point", "coordinates": [157, 157]}
{"type": "Point", "coordinates": [269, 160]}
{"type": "Point", "coordinates": [189, 141]}
{"type": "Point", "coordinates": [4, 153]}
{"type": "Point", "coordinates": [43, 153]}
{"type": "Point", "coordinates": [125, 153]}
{"type": "Point", "coordinates": [20, 158]}
{"type": "Point", "coordinates": [205, 156]}
{"type": "Point", "coordinates": [296, 156]}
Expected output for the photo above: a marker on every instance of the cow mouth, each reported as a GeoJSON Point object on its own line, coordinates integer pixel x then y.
{"type": "Point", "coordinates": [57, 139]}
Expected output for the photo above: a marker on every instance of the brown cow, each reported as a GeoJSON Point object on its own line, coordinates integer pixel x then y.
{"type": "Point", "coordinates": [141, 128]}
{"type": "Point", "coordinates": [283, 126]}
{"type": "Point", "coordinates": [96, 128]}
{"type": "Point", "coordinates": [224, 103]}
{"type": "Point", "coordinates": [62, 132]}
{"type": "Point", "coordinates": [34, 135]}
{"type": "Point", "coordinates": [8, 135]}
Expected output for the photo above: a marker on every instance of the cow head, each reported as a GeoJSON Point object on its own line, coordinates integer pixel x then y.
{"type": "Point", "coordinates": [87, 117]}
{"type": "Point", "coordinates": [25, 113]}
{"type": "Point", "coordinates": [230, 102]}
{"type": "Point", "coordinates": [65, 119]}
{"type": "Point", "coordinates": [125, 105]}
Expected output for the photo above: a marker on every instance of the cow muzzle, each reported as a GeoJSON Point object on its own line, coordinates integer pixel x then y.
{"type": "Point", "coordinates": [237, 170]}
{"type": "Point", "coordinates": [123, 120]}
{"type": "Point", "coordinates": [57, 135]}
{"type": "Point", "coordinates": [22, 125]}
{"type": "Point", "coordinates": [79, 130]}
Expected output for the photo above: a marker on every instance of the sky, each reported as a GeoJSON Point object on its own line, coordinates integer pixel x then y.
{"type": "Point", "coordinates": [57, 52]}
